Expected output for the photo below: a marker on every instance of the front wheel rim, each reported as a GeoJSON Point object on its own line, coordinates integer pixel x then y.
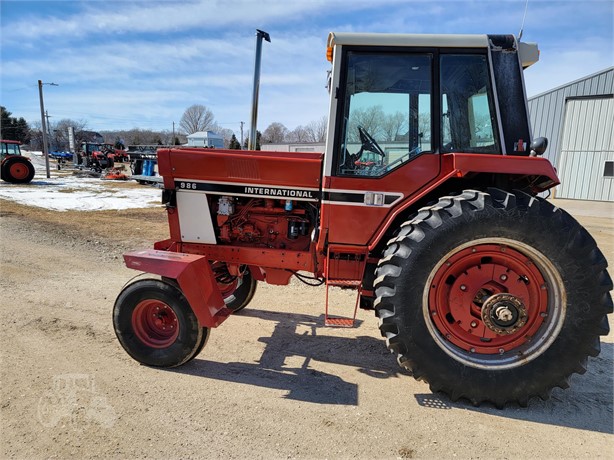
{"type": "Point", "coordinates": [494, 303]}
{"type": "Point", "coordinates": [155, 323]}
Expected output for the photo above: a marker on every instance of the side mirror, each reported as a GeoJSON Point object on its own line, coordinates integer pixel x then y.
{"type": "Point", "coordinates": [538, 146]}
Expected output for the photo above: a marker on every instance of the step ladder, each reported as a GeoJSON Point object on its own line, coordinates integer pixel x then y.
{"type": "Point", "coordinates": [345, 267]}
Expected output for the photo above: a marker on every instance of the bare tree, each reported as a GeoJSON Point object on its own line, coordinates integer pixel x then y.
{"type": "Point", "coordinates": [59, 132]}
{"type": "Point", "coordinates": [392, 125]}
{"type": "Point", "coordinates": [298, 135]}
{"type": "Point", "coordinates": [196, 118]}
{"type": "Point", "coordinates": [316, 130]}
{"type": "Point", "coordinates": [276, 133]}
{"type": "Point", "coordinates": [424, 127]}
{"type": "Point", "coordinates": [36, 135]}
{"type": "Point", "coordinates": [369, 118]}
{"type": "Point", "coordinates": [226, 134]}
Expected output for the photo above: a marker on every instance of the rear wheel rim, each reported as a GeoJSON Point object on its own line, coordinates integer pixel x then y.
{"type": "Point", "coordinates": [155, 323]}
{"type": "Point", "coordinates": [19, 170]}
{"type": "Point", "coordinates": [494, 303]}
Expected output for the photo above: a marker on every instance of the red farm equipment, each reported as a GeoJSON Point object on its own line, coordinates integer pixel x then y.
{"type": "Point", "coordinates": [101, 156]}
{"type": "Point", "coordinates": [14, 168]}
{"type": "Point", "coordinates": [482, 288]}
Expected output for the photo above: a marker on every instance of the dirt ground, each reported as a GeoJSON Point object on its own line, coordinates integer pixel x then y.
{"type": "Point", "coordinates": [272, 382]}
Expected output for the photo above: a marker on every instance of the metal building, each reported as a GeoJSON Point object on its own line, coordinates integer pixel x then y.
{"type": "Point", "coordinates": [578, 120]}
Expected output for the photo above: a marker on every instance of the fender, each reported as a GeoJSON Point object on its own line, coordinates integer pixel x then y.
{"type": "Point", "coordinates": [458, 165]}
{"type": "Point", "coordinates": [195, 278]}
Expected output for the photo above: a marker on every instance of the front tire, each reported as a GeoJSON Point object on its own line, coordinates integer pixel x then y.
{"type": "Point", "coordinates": [156, 325]}
{"type": "Point", "coordinates": [237, 291]}
{"type": "Point", "coordinates": [493, 297]}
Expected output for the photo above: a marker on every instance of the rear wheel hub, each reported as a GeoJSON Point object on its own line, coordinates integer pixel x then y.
{"type": "Point", "coordinates": [504, 314]}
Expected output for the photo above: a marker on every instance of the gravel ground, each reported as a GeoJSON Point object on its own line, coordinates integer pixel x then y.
{"type": "Point", "coordinates": [272, 382]}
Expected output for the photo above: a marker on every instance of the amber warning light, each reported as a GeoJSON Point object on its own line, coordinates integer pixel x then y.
{"type": "Point", "coordinates": [329, 54]}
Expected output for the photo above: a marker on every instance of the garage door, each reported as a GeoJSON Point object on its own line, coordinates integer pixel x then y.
{"type": "Point", "coordinates": [586, 166]}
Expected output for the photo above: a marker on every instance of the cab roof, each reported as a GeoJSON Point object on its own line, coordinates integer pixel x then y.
{"type": "Point", "coordinates": [528, 52]}
{"type": "Point", "coordinates": [418, 40]}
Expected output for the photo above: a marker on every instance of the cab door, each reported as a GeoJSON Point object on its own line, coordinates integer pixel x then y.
{"type": "Point", "coordinates": [383, 149]}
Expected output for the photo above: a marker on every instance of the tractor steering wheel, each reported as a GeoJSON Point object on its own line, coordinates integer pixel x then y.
{"type": "Point", "coordinates": [368, 143]}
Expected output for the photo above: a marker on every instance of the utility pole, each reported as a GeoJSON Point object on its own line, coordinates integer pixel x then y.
{"type": "Point", "coordinates": [43, 125]}
{"type": "Point", "coordinates": [260, 35]}
{"type": "Point", "coordinates": [48, 129]}
{"type": "Point", "coordinates": [242, 123]}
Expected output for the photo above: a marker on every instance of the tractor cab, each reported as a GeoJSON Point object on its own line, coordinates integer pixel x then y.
{"type": "Point", "coordinates": [400, 104]}
{"type": "Point", "coordinates": [8, 148]}
{"type": "Point", "coordinates": [401, 96]}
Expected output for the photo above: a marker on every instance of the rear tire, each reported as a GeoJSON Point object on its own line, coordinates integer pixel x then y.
{"type": "Point", "coordinates": [156, 325]}
{"type": "Point", "coordinates": [17, 170]}
{"type": "Point", "coordinates": [493, 297]}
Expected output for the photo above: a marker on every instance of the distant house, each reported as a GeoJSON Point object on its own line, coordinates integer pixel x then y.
{"type": "Point", "coordinates": [206, 139]}
{"type": "Point", "coordinates": [89, 136]}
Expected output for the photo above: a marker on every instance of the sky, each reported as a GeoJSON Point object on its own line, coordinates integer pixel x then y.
{"type": "Point", "coordinates": [139, 64]}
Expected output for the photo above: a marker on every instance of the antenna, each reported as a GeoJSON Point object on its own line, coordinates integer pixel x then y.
{"type": "Point", "coordinates": [526, 6]}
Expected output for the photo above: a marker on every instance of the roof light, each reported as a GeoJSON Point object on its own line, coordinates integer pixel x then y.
{"type": "Point", "coordinates": [329, 54]}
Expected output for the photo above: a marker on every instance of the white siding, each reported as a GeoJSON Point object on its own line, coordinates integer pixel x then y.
{"type": "Point", "coordinates": [587, 131]}
{"type": "Point", "coordinates": [587, 143]}
{"type": "Point", "coordinates": [547, 110]}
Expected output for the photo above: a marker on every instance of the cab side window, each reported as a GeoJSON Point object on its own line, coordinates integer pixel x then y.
{"type": "Point", "coordinates": [468, 122]}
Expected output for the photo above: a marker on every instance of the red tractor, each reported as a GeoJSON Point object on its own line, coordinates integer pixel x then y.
{"type": "Point", "coordinates": [426, 202]}
{"type": "Point", "coordinates": [14, 168]}
{"type": "Point", "coordinates": [101, 156]}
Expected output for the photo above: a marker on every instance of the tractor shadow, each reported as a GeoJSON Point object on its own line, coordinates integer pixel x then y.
{"type": "Point", "coordinates": [587, 405]}
{"type": "Point", "coordinates": [295, 344]}
{"type": "Point", "coordinates": [295, 340]}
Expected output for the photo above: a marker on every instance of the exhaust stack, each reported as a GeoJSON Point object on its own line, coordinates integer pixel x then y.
{"type": "Point", "coordinates": [260, 34]}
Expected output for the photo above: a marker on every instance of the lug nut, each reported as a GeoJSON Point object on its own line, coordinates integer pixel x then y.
{"type": "Point", "coordinates": [543, 314]}
{"type": "Point", "coordinates": [501, 351]}
{"type": "Point", "coordinates": [474, 324]}
{"type": "Point", "coordinates": [463, 287]}
{"type": "Point", "coordinates": [472, 350]}
{"type": "Point", "coordinates": [503, 277]}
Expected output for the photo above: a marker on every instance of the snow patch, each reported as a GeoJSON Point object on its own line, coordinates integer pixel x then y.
{"type": "Point", "coordinates": [69, 193]}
